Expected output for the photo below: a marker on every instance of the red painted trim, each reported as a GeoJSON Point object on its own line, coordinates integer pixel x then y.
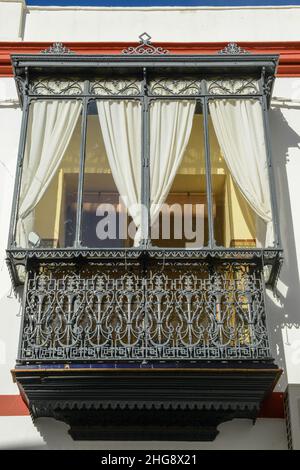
{"type": "Point", "coordinates": [272, 407]}
{"type": "Point", "coordinates": [289, 64]}
{"type": "Point", "coordinates": [12, 405]}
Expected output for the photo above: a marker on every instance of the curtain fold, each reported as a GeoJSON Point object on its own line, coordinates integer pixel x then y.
{"type": "Point", "coordinates": [50, 129]}
{"type": "Point", "coordinates": [120, 123]}
{"type": "Point", "coordinates": [240, 131]}
{"type": "Point", "coordinates": [170, 128]}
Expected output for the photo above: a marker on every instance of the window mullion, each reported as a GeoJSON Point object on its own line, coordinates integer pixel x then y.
{"type": "Point", "coordinates": [19, 171]}
{"type": "Point", "coordinates": [208, 175]}
{"type": "Point", "coordinates": [77, 242]}
{"type": "Point", "coordinates": [145, 180]}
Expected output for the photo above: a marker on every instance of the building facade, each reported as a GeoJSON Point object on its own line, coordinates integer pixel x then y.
{"type": "Point", "coordinates": [159, 339]}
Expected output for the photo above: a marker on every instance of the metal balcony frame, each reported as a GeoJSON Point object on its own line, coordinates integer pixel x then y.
{"type": "Point", "coordinates": [28, 67]}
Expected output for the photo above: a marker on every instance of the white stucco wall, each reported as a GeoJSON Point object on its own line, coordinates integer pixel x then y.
{"type": "Point", "coordinates": [185, 24]}
{"type": "Point", "coordinates": [294, 415]}
{"type": "Point", "coordinates": [10, 118]}
{"type": "Point", "coordinates": [12, 15]}
{"type": "Point", "coordinates": [284, 310]}
{"type": "Point", "coordinates": [163, 24]}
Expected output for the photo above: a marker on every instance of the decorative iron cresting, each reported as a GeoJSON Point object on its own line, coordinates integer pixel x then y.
{"type": "Point", "coordinates": [124, 87]}
{"type": "Point", "coordinates": [128, 311]}
{"type": "Point", "coordinates": [233, 48]}
{"type": "Point", "coordinates": [268, 85]}
{"type": "Point", "coordinates": [169, 87]}
{"type": "Point", "coordinates": [61, 86]}
{"type": "Point", "coordinates": [57, 48]}
{"type": "Point", "coordinates": [145, 47]}
{"type": "Point", "coordinates": [237, 86]}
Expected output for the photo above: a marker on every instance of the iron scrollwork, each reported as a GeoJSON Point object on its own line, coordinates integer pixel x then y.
{"type": "Point", "coordinates": [241, 86]}
{"type": "Point", "coordinates": [166, 311]}
{"type": "Point", "coordinates": [268, 85]}
{"type": "Point", "coordinates": [124, 87]}
{"type": "Point", "coordinates": [48, 86]}
{"type": "Point", "coordinates": [57, 48]}
{"type": "Point", "coordinates": [169, 87]}
{"type": "Point", "coordinates": [145, 47]}
{"type": "Point", "coordinates": [233, 48]}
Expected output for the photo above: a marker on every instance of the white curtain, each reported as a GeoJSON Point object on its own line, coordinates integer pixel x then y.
{"type": "Point", "coordinates": [120, 123]}
{"type": "Point", "coordinates": [170, 128]}
{"type": "Point", "coordinates": [50, 129]}
{"type": "Point", "coordinates": [240, 131]}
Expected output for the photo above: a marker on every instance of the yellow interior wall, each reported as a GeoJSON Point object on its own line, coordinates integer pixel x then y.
{"type": "Point", "coordinates": [50, 211]}
{"type": "Point", "coordinates": [227, 213]}
{"type": "Point", "coordinates": [239, 217]}
{"type": "Point", "coordinates": [45, 211]}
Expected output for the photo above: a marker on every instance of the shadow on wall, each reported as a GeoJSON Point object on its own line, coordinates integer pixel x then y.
{"type": "Point", "coordinates": [283, 307]}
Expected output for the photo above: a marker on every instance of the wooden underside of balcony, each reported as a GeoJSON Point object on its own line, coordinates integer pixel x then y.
{"type": "Point", "coordinates": [166, 403]}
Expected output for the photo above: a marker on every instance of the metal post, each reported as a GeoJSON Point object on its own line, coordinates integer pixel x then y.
{"type": "Point", "coordinates": [20, 353]}
{"type": "Point", "coordinates": [17, 187]}
{"type": "Point", "coordinates": [145, 170]}
{"type": "Point", "coordinates": [77, 242]}
{"type": "Point", "coordinates": [208, 175]}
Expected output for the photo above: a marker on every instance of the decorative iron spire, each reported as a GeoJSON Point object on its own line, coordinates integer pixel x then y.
{"type": "Point", "coordinates": [233, 48]}
{"type": "Point", "coordinates": [57, 48]}
{"type": "Point", "coordinates": [145, 47]}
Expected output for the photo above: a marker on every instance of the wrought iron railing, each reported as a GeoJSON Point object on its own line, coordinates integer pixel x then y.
{"type": "Point", "coordinates": [120, 311]}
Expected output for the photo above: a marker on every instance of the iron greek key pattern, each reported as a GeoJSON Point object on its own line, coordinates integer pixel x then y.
{"type": "Point", "coordinates": [117, 311]}
{"type": "Point", "coordinates": [48, 86]}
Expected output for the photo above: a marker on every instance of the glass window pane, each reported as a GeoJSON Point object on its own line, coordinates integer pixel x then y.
{"type": "Point", "coordinates": [50, 175]}
{"type": "Point", "coordinates": [106, 221]}
{"type": "Point", "coordinates": [176, 133]}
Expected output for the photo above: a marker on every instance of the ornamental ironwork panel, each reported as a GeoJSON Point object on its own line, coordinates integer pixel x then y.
{"type": "Point", "coordinates": [242, 86]}
{"type": "Point", "coordinates": [145, 47]}
{"type": "Point", "coordinates": [124, 87]}
{"type": "Point", "coordinates": [169, 87]}
{"type": "Point", "coordinates": [233, 48]}
{"type": "Point", "coordinates": [57, 48]}
{"type": "Point", "coordinates": [49, 86]}
{"type": "Point", "coordinates": [136, 311]}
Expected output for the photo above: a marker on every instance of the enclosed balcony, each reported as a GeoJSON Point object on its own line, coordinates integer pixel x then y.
{"type": "Point", "coordinates": [144, 234]}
